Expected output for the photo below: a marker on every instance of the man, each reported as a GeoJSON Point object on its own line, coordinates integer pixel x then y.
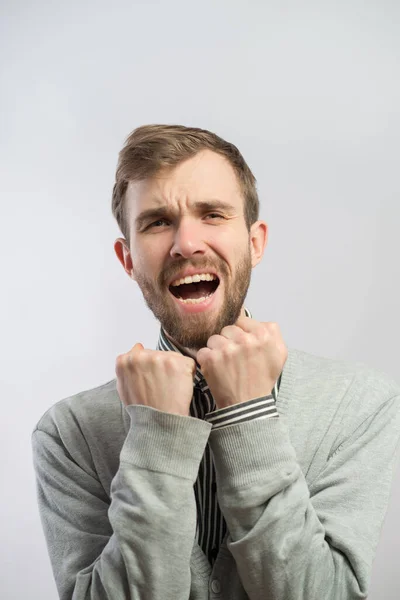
{"type": "Point", "coordinates": [222, 464]}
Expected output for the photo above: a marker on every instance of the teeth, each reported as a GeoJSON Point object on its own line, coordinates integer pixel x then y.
{"type": "Point", "coordinates": [194, 300]}
{"type": "Point", "coordinates": [194, 279]}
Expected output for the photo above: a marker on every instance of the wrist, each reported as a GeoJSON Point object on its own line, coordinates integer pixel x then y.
{"type": "Point", "coordinates": [165, 442]}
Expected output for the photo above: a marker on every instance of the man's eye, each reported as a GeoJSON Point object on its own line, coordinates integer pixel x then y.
{"type": "Point", "coordinates": [215, 216]}
{"type": "Point", "coordinates": [157, 223]}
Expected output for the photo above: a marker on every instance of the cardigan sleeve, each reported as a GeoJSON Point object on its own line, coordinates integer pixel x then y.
{"type": "Point", "coordinates": [105, 550]}
{"type": "Point", "coordinates": [294, 542]}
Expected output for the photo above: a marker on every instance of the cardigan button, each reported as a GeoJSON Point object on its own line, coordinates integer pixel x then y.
{"type": "Point", "coordinates": [215, 586]}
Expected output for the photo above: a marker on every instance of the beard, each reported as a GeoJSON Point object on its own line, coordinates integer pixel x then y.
{"type": "Point", "coordinates": [193, 330]}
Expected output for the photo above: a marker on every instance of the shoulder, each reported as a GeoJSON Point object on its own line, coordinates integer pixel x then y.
{"type": "Point", "coordinates": [325, 401]}
{"type": "Point", "coordinates": [320, 367]}
{"type": "Point", "coordinates": [353, 385]}
{"type": "Point", "coordinates": [88, 413]}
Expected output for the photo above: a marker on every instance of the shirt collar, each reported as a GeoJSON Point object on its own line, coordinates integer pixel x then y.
{"type": "Point", "coordinates": [165, 344]}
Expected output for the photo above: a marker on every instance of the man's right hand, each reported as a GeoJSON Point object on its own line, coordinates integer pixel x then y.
{"type": "Point", "coordinates": [162, 380]}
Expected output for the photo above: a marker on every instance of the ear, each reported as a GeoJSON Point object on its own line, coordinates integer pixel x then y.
{"type": "Point", "coordinates": [258, 241]}
{"type": "Point", "coordinates": [124, 256]}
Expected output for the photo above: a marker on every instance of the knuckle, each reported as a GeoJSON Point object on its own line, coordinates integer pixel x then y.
{"type": "Point", "coordinates": [211, 339]}
{"type": "Point", "coordinates": [190, 364]}
{"type": "Point", "coordinates": [118, 365]}
{"type": "Point", "coordinates": [174, 364]}
{"type": "Point", "coordinates": [248, 340]}
{"type": "Point", "coordinates": [202, 355]}
{"type": "Point", "coordinates": [169, 360]}
{"type": "Point", "coordinates": [229, 350]}
{"type": "Point", "coordinates": [122, 364]}
{"type": "Point", "coordinates": [230, 329]}
{"type": "Point", "coordinates": [121, 360]}
{"type": "Point", "coordinates": [156, 358]}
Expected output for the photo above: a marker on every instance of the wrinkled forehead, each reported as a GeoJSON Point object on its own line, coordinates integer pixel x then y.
{"type": "Point", "coordinates": [204, 177]}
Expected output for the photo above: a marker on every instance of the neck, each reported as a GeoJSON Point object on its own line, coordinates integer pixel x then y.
{"type": "Point", "coordinates": [191, 351]}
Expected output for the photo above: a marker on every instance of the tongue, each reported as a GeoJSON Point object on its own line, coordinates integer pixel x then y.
{"type": "Point", "coordinates": [194, 290]}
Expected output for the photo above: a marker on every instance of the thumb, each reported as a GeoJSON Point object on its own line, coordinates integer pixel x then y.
{"type": "Point", "coordinates": [137, 346]}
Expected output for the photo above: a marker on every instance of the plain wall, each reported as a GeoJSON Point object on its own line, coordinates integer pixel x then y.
{"type": "Point", "coordinates": [309, 92]}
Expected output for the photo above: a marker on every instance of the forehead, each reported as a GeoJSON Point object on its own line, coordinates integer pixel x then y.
{"type": "Point", "coordinates": [206, 175]}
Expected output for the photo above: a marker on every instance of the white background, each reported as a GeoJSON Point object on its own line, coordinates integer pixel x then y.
{"type": "Point", "coordinates": [309, 92]}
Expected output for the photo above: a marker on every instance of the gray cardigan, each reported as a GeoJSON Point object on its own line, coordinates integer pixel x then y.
{"type": "Point", "coordinates": [304, 496]}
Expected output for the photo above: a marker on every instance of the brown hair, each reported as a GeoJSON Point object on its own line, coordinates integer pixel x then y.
{"type": "Point", "coordinates": [152, 147]}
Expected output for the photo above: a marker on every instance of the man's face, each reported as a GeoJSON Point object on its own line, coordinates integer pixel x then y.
{"type": "Point", "coordinates": [189, 222]}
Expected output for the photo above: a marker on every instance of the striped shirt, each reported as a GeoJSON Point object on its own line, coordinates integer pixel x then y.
{"type": "Point", "coordinates": [211, 526]}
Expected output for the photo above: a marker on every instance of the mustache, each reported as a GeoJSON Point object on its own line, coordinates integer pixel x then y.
{"type": "Point", "coordinates": [171, 271]}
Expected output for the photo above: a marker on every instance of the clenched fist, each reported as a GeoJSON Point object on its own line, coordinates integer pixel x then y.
{"type": "Point", "coordinates": [162, 380]}
{"type": "Point", "coordinates": [243, 362]}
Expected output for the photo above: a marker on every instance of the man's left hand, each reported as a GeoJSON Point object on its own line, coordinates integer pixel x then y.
{"type": "Point", "coordinates": [243, 362]}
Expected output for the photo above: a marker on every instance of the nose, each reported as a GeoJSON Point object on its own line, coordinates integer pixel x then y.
{"type": "Point", "coordinates": [188, 239]}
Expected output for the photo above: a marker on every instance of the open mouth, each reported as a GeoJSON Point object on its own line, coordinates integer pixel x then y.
{"type": "Point", "coordinates": [194, 292]}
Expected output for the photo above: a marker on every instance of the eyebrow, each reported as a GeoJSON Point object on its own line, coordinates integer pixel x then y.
{"type": "Point", "coordinates": [199, 207]}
